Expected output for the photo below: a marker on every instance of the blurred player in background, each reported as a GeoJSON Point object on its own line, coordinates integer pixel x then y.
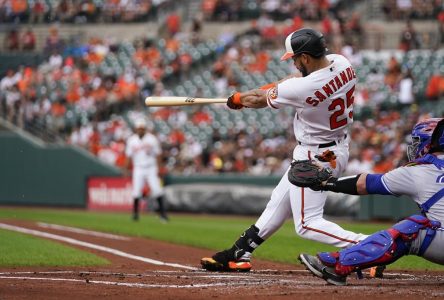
{"type": "Point", "coordinates": [143, 149]}
{"type": "Point", "coordinates": [420, 235]}
{"type": "Point", "coordinates": [323, 98]}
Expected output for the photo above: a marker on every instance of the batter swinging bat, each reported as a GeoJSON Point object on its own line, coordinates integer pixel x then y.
{"type": "Point", "coordinates": [179, 101]}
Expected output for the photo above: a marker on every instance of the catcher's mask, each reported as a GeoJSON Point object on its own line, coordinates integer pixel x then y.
{"type": "Point", "coordinates": [422, 137]}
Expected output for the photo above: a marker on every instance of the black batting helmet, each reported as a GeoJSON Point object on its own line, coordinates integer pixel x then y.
{"type": "Point", "coordinates": [305, 40]}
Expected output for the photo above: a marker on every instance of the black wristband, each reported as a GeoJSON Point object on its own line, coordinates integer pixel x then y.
{"type": "Point", "coordinates": [346, 185]}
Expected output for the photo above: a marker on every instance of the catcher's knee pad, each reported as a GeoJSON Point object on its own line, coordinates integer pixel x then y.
{"type": "Point", "coordinates": [383, 247]}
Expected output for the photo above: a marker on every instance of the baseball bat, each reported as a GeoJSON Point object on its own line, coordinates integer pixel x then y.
{"type": "Point", "coordinates": [179, 101]}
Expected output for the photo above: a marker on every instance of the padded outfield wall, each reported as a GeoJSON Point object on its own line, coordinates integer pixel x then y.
{"type": "Point", "coordinates": [33, 173]}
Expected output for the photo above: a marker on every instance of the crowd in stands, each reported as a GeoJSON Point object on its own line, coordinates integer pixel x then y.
{"type": "Point", "coordinates": [16, 40]}
{"type": "Point", "coordinates": [72, 82]}
{"type": "Point", "coordinates": [236, 10]}
{"type": "Point", "coordinates": [412, 9]}
{"type": "Point", "coordinates": [72, 77]}
{"type": "Point", "coordinates": [87, 11]}
{"type": "Point", "coordinates": [235, 151]}
{"type": "Point", "coordinates": [379, 144]}
{"type": "Point", "coordinates": [79, 11]}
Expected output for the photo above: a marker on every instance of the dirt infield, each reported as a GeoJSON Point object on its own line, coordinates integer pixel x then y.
{"type": "Point", "coordinates": [147, 269]}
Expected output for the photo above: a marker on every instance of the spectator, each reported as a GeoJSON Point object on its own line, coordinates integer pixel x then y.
{"type": "Point", "coordinates": [208, 7]}
{"type": "Point", "coordinates": [12, 40]}
{"type": "Point", "coordinates": [355, 30]}
{"type": "Point", "coordinates": [393, 74]}
{"type": "Point", "coordinates": [19, 10]}
{"type": "Point", "coordinates": [54, 43]}
{"type": "Point", "coordinates": [64, 11]}
{"type": "Point", "coordinates": [173, 24]}
{"type": "Point", "coordinates": [9, 80]}
{"type": "Point", "coordinates": [13, 97]}
{"type": "Point", "coordinates": [404, 8]}
{"type": "Point", "coordinates": [435, 86]}
{"type": "Point", "coordinates": [406, 89]}
{"type": "Point", "coordinates": [196, 29]}
{"type": "Point", "coordinates": [55, 61]}
{"type": "Point", "coordinates": [441, 27]}
{"type": "Point", "coordinates": [409, 38]}
{"type": "Point", "coordinates": [38, 9]}
{"type": "Point", "coordinates": [28, 40]}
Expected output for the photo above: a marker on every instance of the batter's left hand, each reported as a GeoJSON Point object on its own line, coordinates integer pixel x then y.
{"type": "Point", "coordinates": [233, 101]}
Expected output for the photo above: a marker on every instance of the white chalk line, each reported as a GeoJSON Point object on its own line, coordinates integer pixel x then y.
{"type": "Point", "coordinates": [203, 273]}
{"type": "Point", "coordinates": [83, 231]}
{"type": "Point", "coordinates": [157, 274]}
{"type": "Point", "coordinates": [129, 284]}
{"type": "Point", "coordinates": [195, 274]}
{"type": "Point", "coordinates": [305, 284]}
{"type": "Point", "coordinates": [92, 246]}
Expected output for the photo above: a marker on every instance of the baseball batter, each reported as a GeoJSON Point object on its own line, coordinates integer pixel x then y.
{"type": "Point", "coordinates": [421, 235]}
{"type": "Point", "coordinates": [323, 98]}
{"type": "Point", "coordinates": [144, 150]}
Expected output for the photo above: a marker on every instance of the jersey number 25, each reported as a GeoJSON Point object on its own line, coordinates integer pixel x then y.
{"type": "Point", "coordinates": [337, 118]}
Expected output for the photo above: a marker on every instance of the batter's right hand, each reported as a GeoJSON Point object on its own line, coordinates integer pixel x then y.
{"type": "Point", "coordinates": [233, 101]}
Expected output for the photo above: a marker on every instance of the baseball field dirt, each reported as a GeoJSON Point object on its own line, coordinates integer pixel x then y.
{"type": "Point", "coordinates": [148, 269]}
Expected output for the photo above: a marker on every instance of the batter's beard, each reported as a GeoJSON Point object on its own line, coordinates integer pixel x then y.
{"type": "Point", "coordinates": [303, 71]}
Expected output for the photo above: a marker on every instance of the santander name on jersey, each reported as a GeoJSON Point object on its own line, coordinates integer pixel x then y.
{"type": "Point", "coordinates": [323, 101]}
{"type": "Point", "coordinates": [332, 86]}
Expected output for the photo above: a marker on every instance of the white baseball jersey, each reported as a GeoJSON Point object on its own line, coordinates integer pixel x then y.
{"type": "Point", "coordinates": [323, 101]}
{"type": "Point", "coordinates": [421, 182]}
{"type": "Point", "coordinates": [143, 151]}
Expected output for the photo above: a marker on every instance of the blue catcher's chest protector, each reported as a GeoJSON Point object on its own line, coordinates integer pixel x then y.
{"type": "Point", "coordinates": [439, 163]}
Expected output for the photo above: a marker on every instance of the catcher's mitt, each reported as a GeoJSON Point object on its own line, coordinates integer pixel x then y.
{"type": "Point", "coordinates": [305, 173]}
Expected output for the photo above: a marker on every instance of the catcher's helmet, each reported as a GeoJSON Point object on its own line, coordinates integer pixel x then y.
{"type": "Point", "coordinates": [422, 138]}
{"type": "Point", "coordinates": [437, 141]}
{"type": "Point", "coordinates": [304, 40]}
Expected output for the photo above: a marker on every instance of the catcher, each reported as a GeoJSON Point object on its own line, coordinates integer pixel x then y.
{"type": "Point", "coordinates": [420, 235]}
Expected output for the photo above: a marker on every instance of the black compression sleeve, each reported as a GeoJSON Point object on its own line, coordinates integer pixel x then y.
{"type": "Point", "coordinates": [346, 185]}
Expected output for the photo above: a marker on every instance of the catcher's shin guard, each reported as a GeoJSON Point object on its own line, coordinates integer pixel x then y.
{"type": "Point", "coordinates": [237, 258]}
{"type": "Point", "coordinates": [383, 247]}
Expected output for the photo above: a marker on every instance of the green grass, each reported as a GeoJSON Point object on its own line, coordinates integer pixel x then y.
{"type": "Point", "coordinates": [204, 231]}
{"type": "Point", "coordinates": [20, 250]}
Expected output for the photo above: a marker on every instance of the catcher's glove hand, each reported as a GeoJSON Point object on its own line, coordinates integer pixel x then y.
{"type": "Point", "coordinates": [305, 173]}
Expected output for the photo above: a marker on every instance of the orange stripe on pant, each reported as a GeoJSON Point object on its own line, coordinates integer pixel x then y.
{"type": "Point", "coordinates": [314, 229]}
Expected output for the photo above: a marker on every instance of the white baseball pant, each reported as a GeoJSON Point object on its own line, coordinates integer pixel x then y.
{"type": "Point", "coordinates": [306, 205]}
{"type": "Point", "coordinates": [142, 175]}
